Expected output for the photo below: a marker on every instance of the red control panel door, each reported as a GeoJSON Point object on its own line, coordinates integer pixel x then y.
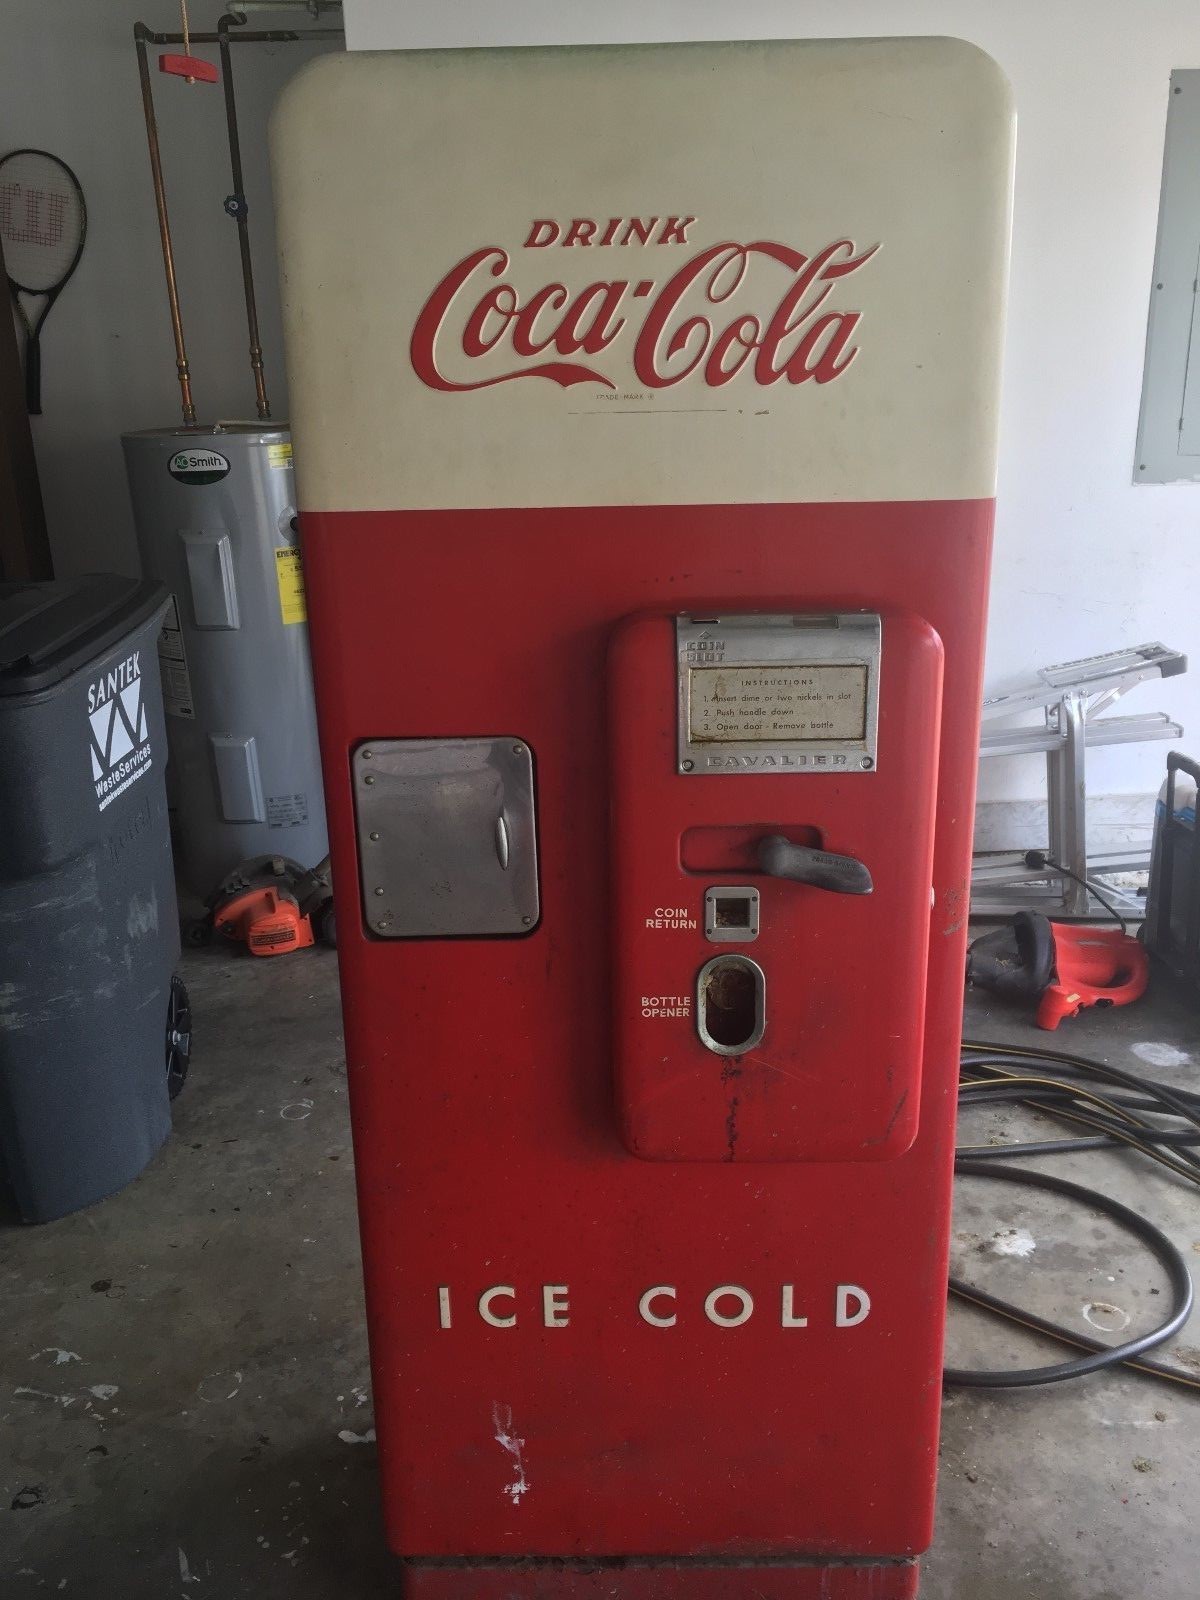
{"type": "Point", "coordinates": [773, 780]}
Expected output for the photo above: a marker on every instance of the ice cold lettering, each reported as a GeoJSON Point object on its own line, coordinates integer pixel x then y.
{"type": "Point", "coordinates": [728, 1305]}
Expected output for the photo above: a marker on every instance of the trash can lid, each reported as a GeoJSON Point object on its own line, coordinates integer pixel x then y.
{"type": "Point", "coordinates": [49, 630]}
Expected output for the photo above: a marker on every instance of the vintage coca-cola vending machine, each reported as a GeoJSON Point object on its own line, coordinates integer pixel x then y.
{"type": "Point", "coordinates": [645, 412]}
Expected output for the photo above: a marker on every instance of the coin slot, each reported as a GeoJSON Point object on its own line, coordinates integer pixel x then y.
{"type": "Point", "coordinates": [730, 1005]}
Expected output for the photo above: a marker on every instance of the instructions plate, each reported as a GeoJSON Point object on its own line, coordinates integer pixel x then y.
{"type": "Point", "coordinates": [731, 705]}
{"type": "Point", "coordinates": [767, 693]}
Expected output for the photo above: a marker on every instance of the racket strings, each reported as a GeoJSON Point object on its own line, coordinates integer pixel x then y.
{"type": "Point", "coordinates": [41, 221]}
{"type": "Point", "coordinates": [32, 216]}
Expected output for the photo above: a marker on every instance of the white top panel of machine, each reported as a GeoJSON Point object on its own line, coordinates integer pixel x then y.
{"type": "Point", "coordinates": [640, 275]}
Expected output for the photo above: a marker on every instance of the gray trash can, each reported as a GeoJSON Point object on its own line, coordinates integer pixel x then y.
{"type": "Point", "coordinates": [91, 1019]}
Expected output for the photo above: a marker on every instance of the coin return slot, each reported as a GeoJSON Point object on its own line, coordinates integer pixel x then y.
{"type": "Point", "coordinates": [731, 915]}
{"type": "Point", "coordinates": [730, 1005]}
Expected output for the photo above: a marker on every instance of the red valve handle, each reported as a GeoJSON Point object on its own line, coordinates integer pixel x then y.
{"type": "Point", "coordinates": [194, 68]}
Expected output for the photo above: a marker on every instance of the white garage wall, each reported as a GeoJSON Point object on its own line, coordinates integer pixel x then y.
{"type": "Point", "coordinates": [69, 84]}
{"type": "Point", "coordinates": [1085, 561]}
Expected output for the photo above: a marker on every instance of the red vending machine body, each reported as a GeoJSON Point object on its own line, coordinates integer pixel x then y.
{"type": "Point", "coordinates": [644, 402]}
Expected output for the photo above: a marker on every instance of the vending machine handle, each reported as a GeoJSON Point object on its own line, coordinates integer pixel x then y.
{"type": "Point", "coordinates": [840, 874]}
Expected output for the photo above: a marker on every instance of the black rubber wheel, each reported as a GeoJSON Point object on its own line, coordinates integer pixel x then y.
{"type": "Point", "coordinates": [179, 1036]}
{"type": "Point", "coordinates": [327, 931]}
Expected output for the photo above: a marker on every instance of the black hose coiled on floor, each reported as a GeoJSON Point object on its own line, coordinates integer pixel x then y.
{"type": "Point", "coordinates": [1062, 1086]}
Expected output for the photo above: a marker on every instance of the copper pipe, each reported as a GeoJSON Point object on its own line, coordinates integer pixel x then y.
{"type": "Point", "coordinates": [164, 229]}
{"type": "Point", "coordinates": [237, 207]}
{"type": "Point", "coordinates": [144, 36]}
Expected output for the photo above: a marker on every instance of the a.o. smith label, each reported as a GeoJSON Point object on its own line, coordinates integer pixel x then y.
{"type": "Point", "coordinates": [777, 704]}
{"type": "Point", "coordinates": [119, 732]}
{"type": "Point", "coordinates": [197, 466]}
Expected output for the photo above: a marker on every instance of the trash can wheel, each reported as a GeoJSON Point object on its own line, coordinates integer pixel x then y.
{"type": "Point", "coordinates": [179, 1036]}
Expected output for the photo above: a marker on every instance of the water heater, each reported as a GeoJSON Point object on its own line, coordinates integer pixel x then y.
{"type": "Point", "coordinates": [216, 522]}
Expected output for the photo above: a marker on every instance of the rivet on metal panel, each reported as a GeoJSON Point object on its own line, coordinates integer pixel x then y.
{"type": "Point", "coordinates": [367, 754]}
{"type": "Point", "coordinates": [687, 765]}
{"type": "Point", "coordinates": [369, 778]}
{"type": "Point", "coordinates": [866, 764]}
{"type": "Point", "coordinates": [379, 891]}
{"type": "Point", "coordinates": [374, 835]}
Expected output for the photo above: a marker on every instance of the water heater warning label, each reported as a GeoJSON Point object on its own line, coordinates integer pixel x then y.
{"type": "Point", "coordinates": [774, 704]}
{"type": "Point", "coordinates": [173, 667]}
{"type": "Point", "coordinates": [287, 810]}
{"type": "Point", "coordinates": [289, 574]}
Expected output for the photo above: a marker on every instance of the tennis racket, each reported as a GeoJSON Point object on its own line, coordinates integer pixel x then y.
{"type": "Point", "coordinates": [43, 223]}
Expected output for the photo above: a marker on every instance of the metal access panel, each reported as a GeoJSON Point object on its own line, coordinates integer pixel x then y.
{"type": "Point", "coordinates": [446, 837]}
{"type": "Point", "coordinates": [1168, 442]}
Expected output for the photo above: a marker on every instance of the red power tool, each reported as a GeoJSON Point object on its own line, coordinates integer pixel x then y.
{"type": "Point", "coordinates": [272, 904]}
{"type": "Point", "coordinates": [1064, 965]}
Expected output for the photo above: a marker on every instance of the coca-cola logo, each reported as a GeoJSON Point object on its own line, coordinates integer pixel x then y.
{"type": "Point", "coordinates": [762, 309]}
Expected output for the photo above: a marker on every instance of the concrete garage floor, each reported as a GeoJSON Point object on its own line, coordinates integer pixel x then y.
{"type": "Point", "coordinates": [184, 1394]}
